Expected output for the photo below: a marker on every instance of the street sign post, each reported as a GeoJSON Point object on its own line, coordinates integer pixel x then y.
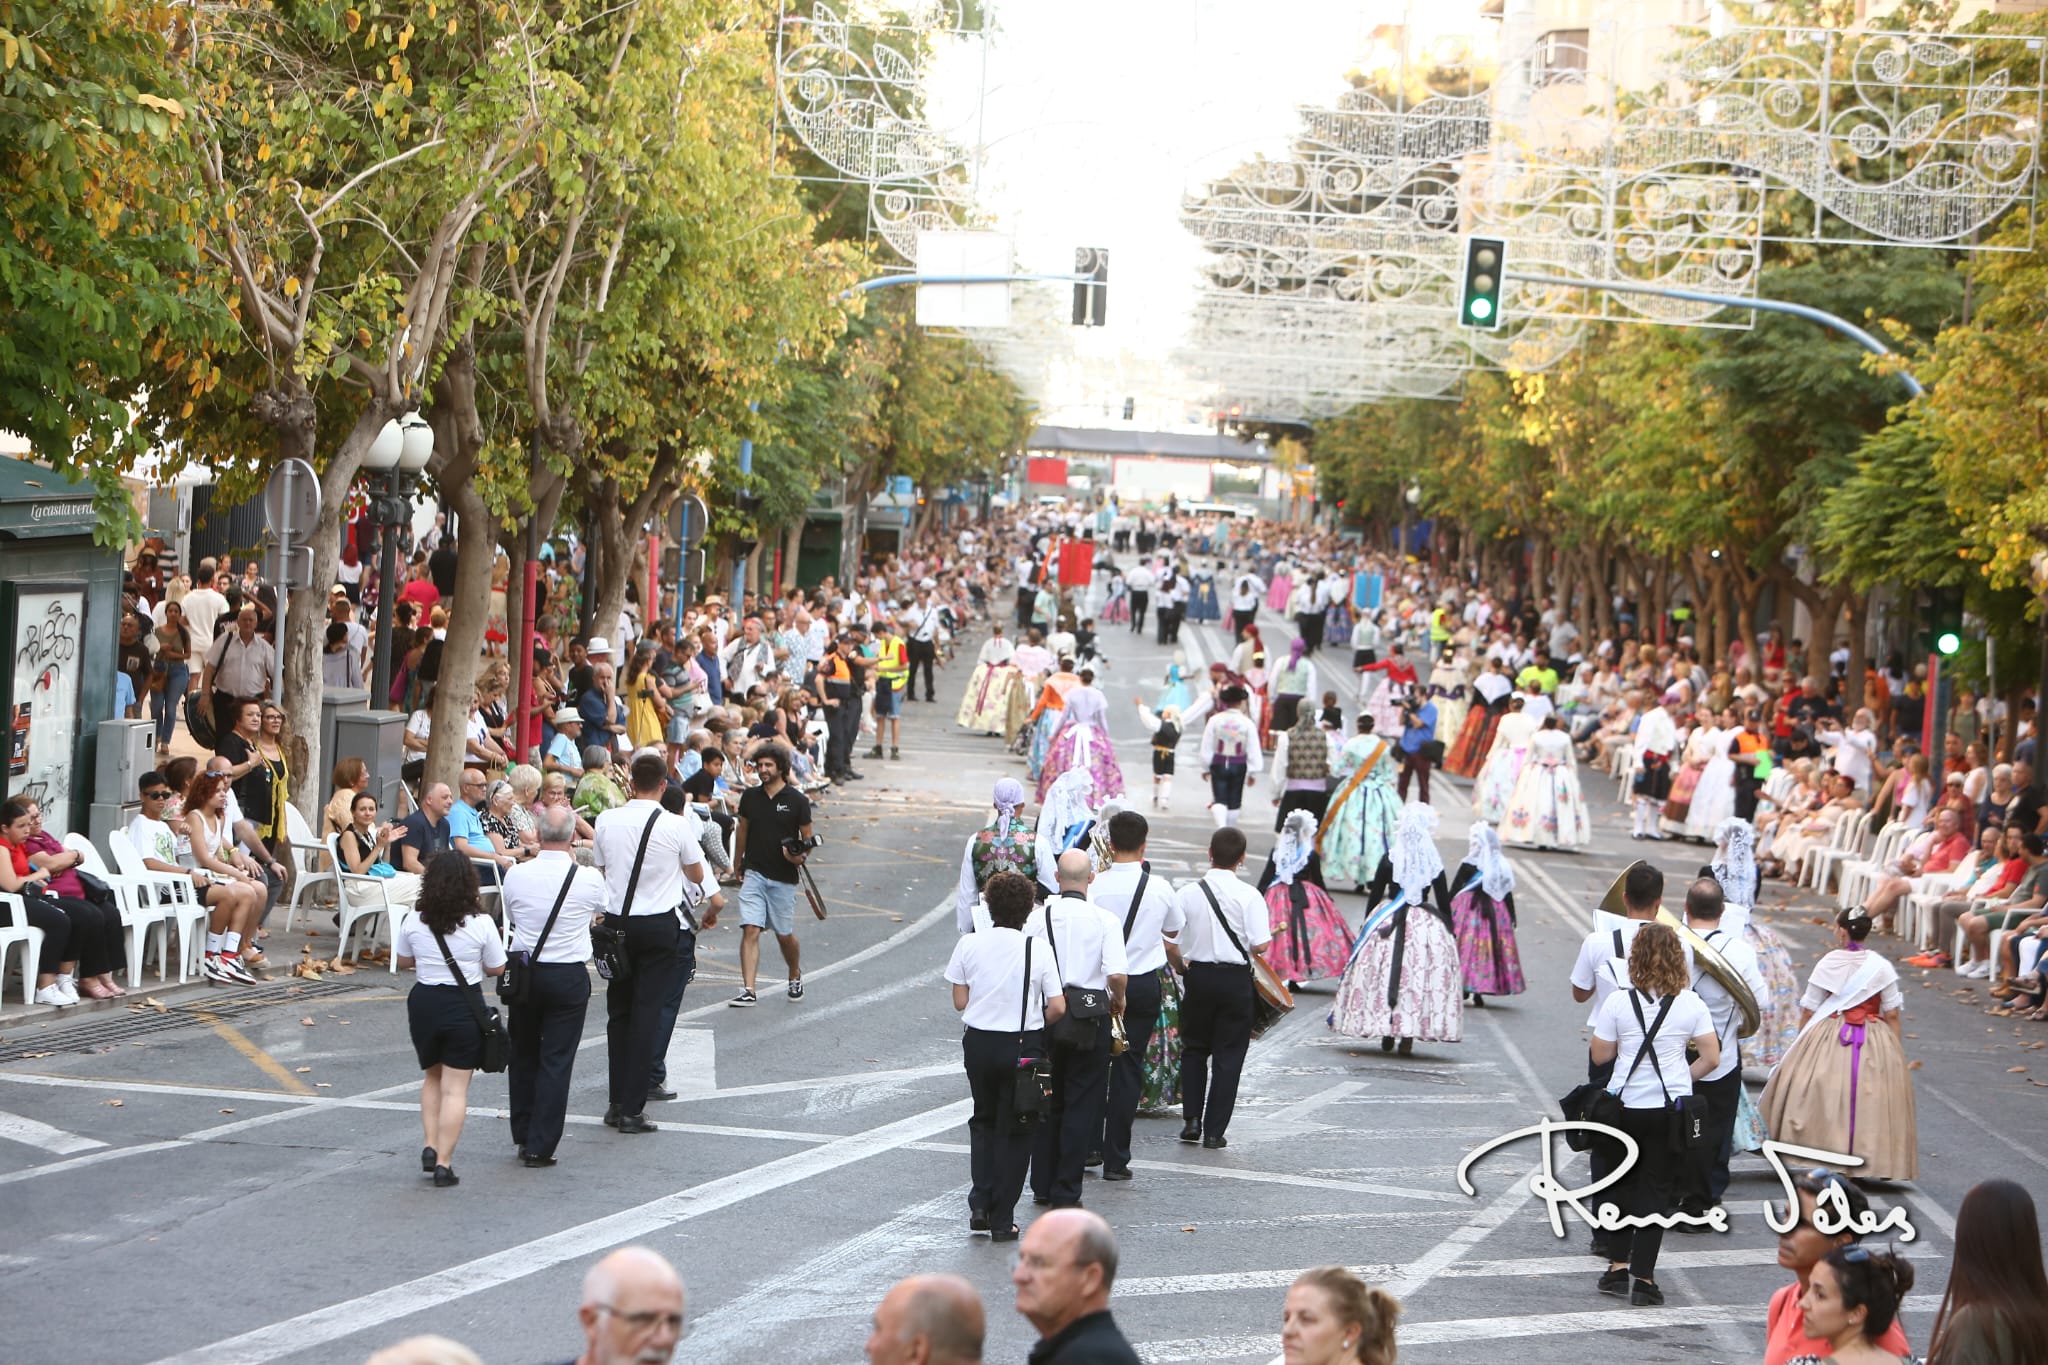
{"type": "Point", "coordinates": [291, 503]}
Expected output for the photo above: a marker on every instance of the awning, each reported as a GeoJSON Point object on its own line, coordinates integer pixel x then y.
{"type": "Point", "coordinates": [36, 502]}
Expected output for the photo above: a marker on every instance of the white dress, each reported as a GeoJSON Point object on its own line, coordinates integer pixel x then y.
{"type": "Point", "coordinates": [1713, 800]}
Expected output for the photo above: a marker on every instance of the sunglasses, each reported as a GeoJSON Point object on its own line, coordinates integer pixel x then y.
{"type": "Point", "coordinates": [158, 794]}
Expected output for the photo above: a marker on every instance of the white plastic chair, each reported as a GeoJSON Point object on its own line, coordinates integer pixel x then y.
{"type": "Point", "coordinates": [141, 916]}
{"type": "Point", "coordinates": [352, 913]}
{"type": "Point", "coordinates": [1846, 843]}
{"type": "Point", "coordinates": [1916, 911]}
{"type": "Point", "coordinates": [1624, 772]}
{"type": "Point", "coordinates": [15, 928]}
{"type": "Point", "coordinates": [1861, 875]}
{"type": "Point", "coordinates": [305, 852]}
{"type": "Point", "coordinates": [173, 893]}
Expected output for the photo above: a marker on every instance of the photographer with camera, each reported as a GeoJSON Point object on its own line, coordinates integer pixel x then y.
{"type": "Point", "coordinates": [774, 838]}
{"type": "Point", "coordinates": [1418, 743]}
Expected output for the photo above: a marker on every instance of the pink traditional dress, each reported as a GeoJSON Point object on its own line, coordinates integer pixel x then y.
{"type": "Point", "coordinates": [1483, 912]}
{"type": "Point", "coordinates": [1082, 741]}
{"type": "Point", "coordinates": [1403, 980]}
{"type": "Point", "coordinates": [1310, 938]}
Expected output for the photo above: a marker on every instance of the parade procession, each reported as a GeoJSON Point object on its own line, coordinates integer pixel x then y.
{"type": "Point", "coordinates": [651, 719]}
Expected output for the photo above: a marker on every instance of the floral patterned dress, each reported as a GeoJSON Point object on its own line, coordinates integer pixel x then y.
{"type": "Point", "coordinates": [1491, 962]}
{"type": "Point", "coordinates": [1494, 790]}
{"type": "Point", "coordinates": [1547, 809]}
{"type": "Point", "coordinates": [1310, 938]}
{"type": "Point", "coordinates": [1161, 1093]}
{"type": "Point", "coordinates": [1360, 826]}
{"type": "Point", "coordinates": [1404, 980]}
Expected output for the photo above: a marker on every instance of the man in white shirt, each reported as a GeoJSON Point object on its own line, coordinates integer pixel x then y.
{"type": "Point", "coordinates": [1244, 600]}
{"type": "Point", "coordinates": [1721, 1087]}
{"type": "Point", "coordinates": [922, 623]}
{"type": "Point", "coordinates": [1224, 919]}
{"type": "Point", "coordinates": [1230, 754]}
{"type": "Point", "coordinates": [1023, 567]}
{"type": "Point", "coordinates": [747, 661]}
{"type": "Point", "coordinates": [1148, 919]}
{"type": "Point", "coordinates": [653, 864]}
{"type": "Point", "coordinates": [1140, 581]}
{"type": "Point", "coordinates": [550, 895]}
{"type": "Point", "coordinates": [1088, 947]}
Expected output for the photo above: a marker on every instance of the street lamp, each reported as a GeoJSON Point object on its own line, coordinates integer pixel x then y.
{"type": "Point", "coordinates": [1411, 498]}
{"type": "Point", "coordinates": [399, 453]}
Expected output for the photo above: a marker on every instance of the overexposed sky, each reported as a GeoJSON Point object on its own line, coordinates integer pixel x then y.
{"type": "Point", "coordinates": [1096, 116]}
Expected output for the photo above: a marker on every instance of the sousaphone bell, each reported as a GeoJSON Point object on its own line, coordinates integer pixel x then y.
{"type": "Point", "coordinates": [1703, 953]}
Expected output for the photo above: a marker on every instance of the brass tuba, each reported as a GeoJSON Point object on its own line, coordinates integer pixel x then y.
{"type": "Point", "coordinates": [1704, 953]}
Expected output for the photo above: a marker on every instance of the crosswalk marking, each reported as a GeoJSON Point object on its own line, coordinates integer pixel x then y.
{"type": "Point", "coordinates": [31, 1133]}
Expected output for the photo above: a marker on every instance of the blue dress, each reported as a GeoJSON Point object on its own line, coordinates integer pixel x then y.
{"type": "Point", "coordinates": [1175, 693]}
{"type": "Point", "coordinates": [1202, 605]}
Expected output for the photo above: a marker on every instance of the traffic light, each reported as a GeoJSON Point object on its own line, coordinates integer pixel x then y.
{"type": "Point", "coordinates": [1091, 296]}
{"type": "Point", "coordinates": [1945, 621]}
{"type": "Point", "coordinates": [1479, 297]}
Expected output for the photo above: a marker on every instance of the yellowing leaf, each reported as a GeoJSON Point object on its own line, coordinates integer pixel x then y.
{"type": "Point", "coordinates": [263, 151]}
{"type": "Point", "coordinates": [291, 286]}
{"type": "Point", "coordinates": [352, 19]}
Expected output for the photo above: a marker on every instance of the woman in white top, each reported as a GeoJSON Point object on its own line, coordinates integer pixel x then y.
{"type": "Point", "coordinates": [228, 956]}
{"type": "Point", "coordinates": [442, 1012]}
{"type": "Point", "coordinates": [1660, 1003]}
{"type": "Point", "coordinates": [1005, 1015]}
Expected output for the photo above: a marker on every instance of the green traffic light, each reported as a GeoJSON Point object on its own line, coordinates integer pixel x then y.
{"type": "Point", "coordinates": [1948, 642]}
{"type": "Point", "coordinates": [1481, 309]}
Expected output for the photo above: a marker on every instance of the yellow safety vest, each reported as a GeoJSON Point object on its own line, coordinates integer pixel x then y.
{"type": "Point", "coordinates": [892, 662]}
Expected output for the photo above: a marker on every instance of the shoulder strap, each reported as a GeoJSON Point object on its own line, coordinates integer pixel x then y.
{"type": "Point", "coordinates": [1224, 920]}
{"type": "Point", "coordinates": [1024, 999]}
{"type": "Point", "coordinates": [1649, 1037]}
{"type": "Point", "coordinates": [1131, 915]}
{"type": "Point", "coordinates": [474, 999]}
{"type": "Point", "coordinates": [561, 897]}
{"type": "Point", "coordinates": [639, 858]}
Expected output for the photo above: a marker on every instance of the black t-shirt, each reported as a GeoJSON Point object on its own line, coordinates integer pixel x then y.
{"type": "Point", "coordinates": [426, 840]}
{"type": "Point", "coordinates": [2025, 811]}
{"type": "Point", "coordinates": [770, 820]}
{"type": "Point", "coordinates": [441, 570]}
{"type": "Point", "coordinates": [700, 786]}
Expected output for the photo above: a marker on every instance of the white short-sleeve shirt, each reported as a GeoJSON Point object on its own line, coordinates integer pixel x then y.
{"type": "Point", "coordinates": [1615, 1022]}
{"type": "Point", "coordinates": [990, 963]}
{"type": "Point", "coordinates": [674, 845]}
{"type": "Point", "coordinates": [1159, 914]}
{"type": "Point", "coordinates": [1087, 941]}
{"type": "Point", "coordinates": [1600, 970]}
{"type": "Point", "coordinates": [474, 945]}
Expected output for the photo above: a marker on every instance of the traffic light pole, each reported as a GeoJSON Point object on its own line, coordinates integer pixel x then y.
{"type": "Point", "coordinates": [885, 281]}
{"type": "Point", "coordinates": [1797, 310]}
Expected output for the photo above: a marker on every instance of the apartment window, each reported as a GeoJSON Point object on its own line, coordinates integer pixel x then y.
{"type": "Point", "coordinates": [1562, 54]}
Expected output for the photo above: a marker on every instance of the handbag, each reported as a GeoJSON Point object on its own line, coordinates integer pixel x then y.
{"type": "Point", "coordinates": [380, 868]}
{"type": "Point", "coordinates": [496, 1044]}
{"type": "Point", "coordinates": [1031, 1091]}
{"type": "Point", "coordinates": [1085, 1004]}
{"type": "Point", "coordinates": [515, 986]}
{"type": "Point", "coordinates": [1688, 1112]}
{"type": "Point", "coordinates": [96, 890]}
{"type": "Point", "coordinates": [1589, 1102]}
{"type": "Point", "coordinates": [608, 932]}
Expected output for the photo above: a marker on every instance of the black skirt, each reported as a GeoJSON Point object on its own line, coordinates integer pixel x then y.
{"type": "Point", "coordinates": [1653, 777]}
{"type": "Point", "coordinates": [1361, 657]}
{"type": "Point", "coordinates": [444, 1027]}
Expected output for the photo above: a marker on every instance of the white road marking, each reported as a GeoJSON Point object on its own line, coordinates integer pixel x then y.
{"type": "Point", "coordinates": [90, 1159]}
{"type": "Point", "coordinates": [34, 1133]}
{"type": "Point", "coordinates": [296, 1335]}
{"type": "Point", "coordinates": [693, 1062]}
{"type": "Point", "coordinates": [1256, 1177]}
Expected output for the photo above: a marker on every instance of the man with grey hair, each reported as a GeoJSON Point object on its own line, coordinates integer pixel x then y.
{"type": "Point", "coordinates": [632, 1312]}
{"type": "Point", "coordinates": [549, 902]}
{"type": "Point", "coordinates": [1065, 1267]}
{"type": "Point", "coordinates": [927, 1320]}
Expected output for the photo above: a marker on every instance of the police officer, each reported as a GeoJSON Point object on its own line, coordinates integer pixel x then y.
{"type": "Point", "coordinates": [549, 903]}
{"type": "Point", "coordinates": [1088, 948]}
{"type": "Point", "coordinates": [841, 681]}
{"type": "Point", "coordinates": [1148, 919]}
{"type": "Point", "coordinates": [1225, 920]}
{"type": "Point", "coordinates": [646, 854]}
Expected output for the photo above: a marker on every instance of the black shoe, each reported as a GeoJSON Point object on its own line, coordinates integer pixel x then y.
{"type": "Point", "coordinates": [1094, 1159]}
{"type": "Point", "coordinates": [1116, 1173]}
{"type": "Point", "coordinates": [1643, 1295]}
{"type": "Point", "coordinates": [1407, 1047]}
{"type": "Point", "coordinates": [1386, 1044]}
{"type": "Point", "coordinates": [428, 1160]}
{"type": "Point", "coordinates": [611, 1117]}
{"type": "Point", "coordinates": [1009, 1234]}
{"type": "Point", "coordinates": [536, 1161]}
{"type": "Point", "coordinates": [1191, 1132]}
{"type": "Point", "coordinates": [444, 1176]}
{"type": "Point", "coordinates": [1212, 1143]}
{"type": "Point", "coordinates": [851, 776]}
{"type": "Point", "coordinates": [1478, 1000]}
{"type": "Point", "coordinates": [1692, 1210]}
{"type": "Point", "coordinates": [875, 752]}
{"type": "Point", "coordinates": [636, 1123]}
{"type": "Point", "coordinates": [1615, 1282]}
{"type": "Point", "coordinates": [1042, 1200]}
{"type": "Point", "coordinates": [977, 1221]}
{"type": "Point", "coordinates": [660, 1092]}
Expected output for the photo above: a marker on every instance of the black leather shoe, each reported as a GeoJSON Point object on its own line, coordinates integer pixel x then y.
{"type": "Point", "coordinates": [444, 1176]}
{"type": "Point", "coordinates": [611, 1117]}
{"type": "Point", "coordinates": [1643, 1295]}
{"type": "Point", "coordinates": [1094, 1159]}
{"type": "Point", "coordinates": [1386, 1044]}
{"type": "Point", "coordinates": [660, 1092]}
{"type": "Point", "coordinates": [1212, 1143]}
{"type": "Point", "coordinates": [1041, 1199]}
{"type": "Point", "coordinates": [1615, 1282]}
{"type": "Point", "coordinates": [977, 1220]}
{"type": "Point", "coordinates": [428, 1160]}
{"type": "Point", "coordinates": [1115, 1173]}
{"type": "Point", "coordinates": [1009, 1234]}
{"type": "Point", "coordinates": [636, 1123]}
{"type": "Point", "coordinates": [529, 1159]}
{"type": "Point", "coordinates": [1191, 1132]}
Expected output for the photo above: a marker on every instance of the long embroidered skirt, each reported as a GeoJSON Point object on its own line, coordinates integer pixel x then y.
{"type": "Point", "coordinates": [1495, 787]}
{"type": "Point", "coordinates": [1430, 1002]}
{"type": "Point", "coordinates": [1475, 736]}
{"type": "Point", "coordinates": [1486, 944]}
{"type": "Point", "coordinates": [1844, 1087]}
{"type": "Point", "coordinates": [1086, 746]}
{"type": "Point", "coordinates": [1547, 809]}
{"type": "Point", "coordinates": [1778, 1011]}
{"type": "Point", "coordinates": [1162, 1055]}
{"type": "Point", "coordinates": [986, 707]}
{"type": "Point", "coordinates": [1311, 942]}
{"type": "Point", "coordinates": [1362, 833]}
{"type": "Point", "coordinates": [1042, 731]}
{"type": "Point", "coordinates": [1679, 804]}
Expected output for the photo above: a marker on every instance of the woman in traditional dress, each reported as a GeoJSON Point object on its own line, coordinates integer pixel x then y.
{"type": "Point", "coordinates": [1202, 603]}
{"type": "Point", "coordinates": [1161, 1093]}
{"type": "Point", "coordinates": [1310, 938]}
{"type": "Point", "coordinates": [1844, 1086]}
{"type": "Point", "coordinates": [987, 703]}
{"type": "Point", "coordinates": [1004, 844]}
{"type": "Point", "coordinates": [1490, 692]}
{"type": "Point", "coordinates": [1176, 693]}
{"type": "Point", "coordinates": [1401, 679]}
{"type": "Point", "coordinates": [1656, 741]}
{"type": "Point", "coordinates": [1713, 799]}
{"type": "Point", "coordinates": [1547, 809]}
{"type": "Point", "coordinates": [1116, 601]}
{"type": "Point", "coordinates": [1359, 828]}
{"type": "Point", "coordinates": [1046, 717]}
{"type": "Point", "coordinates": [1483, 912]}
{"type": "Point", "coordinates": [1735, 869]}
{"type": "Point", "coordinates": [1337, 618]}
{"type": "Point", "coordinates": [1066, 818]}
{"type": "Point", "coordinates": [1695, 752]}
{"type": "Point", "coordinates": [1404, 981]}
{"type": "Point", "coordinates": [1280, 589]}
{"type": "Point", "coordinates": [1494, 788]}
{"type": "Point", "coordinates": [1082, 741]}
{"type": "Point", "coordinates": [1291, 684]}
{"type": "Point", "coordinates": [1450, 687]}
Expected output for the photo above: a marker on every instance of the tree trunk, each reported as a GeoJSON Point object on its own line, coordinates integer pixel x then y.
{"type": "Point", "coordinates": [458, 444]}
{"type": "Point", "coordinates": [1539, 567]}
{"type": "Point", "coordinates": [792, 555]}
{"type": "Point", "coordinates": [1749, 592]}
{"type": "Point", "coordinates": [1859, 653]}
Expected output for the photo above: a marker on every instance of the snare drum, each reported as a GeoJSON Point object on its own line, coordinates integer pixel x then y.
{"type": "Point", "coordinates": [1271, 1000]}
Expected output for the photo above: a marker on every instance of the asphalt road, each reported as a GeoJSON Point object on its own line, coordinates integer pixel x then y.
{"type": "Point", "coordinates": [239, 1185]}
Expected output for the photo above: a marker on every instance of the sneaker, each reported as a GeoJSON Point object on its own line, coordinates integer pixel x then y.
{"type": "Point", "coordinates": [796, 990]}
{"type": "Point", "coordinates": [895, 752]}
{"type": "Point", "coordinates": [1975, 971]}
{"type": "Point", "coordinates": [875, 752]}
{"type": "Point", "coordinates": [231, 970]}
{"type": "Point", "coordinates": [50, 995]}
{"type": "Point", "coordinates": [744, 1000]}
{"type": "Point", "coordinates": [210, 968]}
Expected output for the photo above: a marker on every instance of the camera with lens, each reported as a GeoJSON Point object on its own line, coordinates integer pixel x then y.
{"type": "Point", "coordinates": [796, 848]}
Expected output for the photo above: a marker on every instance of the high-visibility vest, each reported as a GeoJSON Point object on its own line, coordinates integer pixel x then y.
{"type": "Point", "coordinates": [892, 661]}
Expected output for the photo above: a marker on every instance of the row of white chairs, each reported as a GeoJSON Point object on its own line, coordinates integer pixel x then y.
{"type": "Point", "coordinates": [153, 906]}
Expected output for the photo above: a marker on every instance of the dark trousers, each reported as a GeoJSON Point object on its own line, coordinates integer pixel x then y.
{"type": "Point", "coordinates": [842, 725]}
{"type": "Point", "coordinates": [1026, 597]}
{"type": "Point", "coordinates": [1215, 1032]}
{"type": "Point", "coordinates": [545, 1032]}
{"type": "Point", "coordinates": [1309, 626]}
{"type": "Point", "coordinates": [923, 654]}
{"type": "Point", "coordinates": [49, 917]}
{"type": "Point", "coordinates": [1140, 599]}
{"type": "Point", "coordinates": [1226, 783]}
{"type": "Point", "coordinates": [1120, 541]}
{"type": "Point", "coordinates": [999, 1152]}
{"type": "Point", "coordinates": [94, 938]}
{"type": "Point", "coordinates": [1127, 1069]}
{"type": "Point", "coordinates": [633, 1005]}
{"type": "Point", "coordinates": [1240, 619]}
{"type": "Point", "coordinates": [1601, 1159]}
{"type": "Point", "coordinates": [1650, 1187]}
{"type": "Point", "coordinates": [1080, 1080]}
{"type": "Point", "coordinates": [665, 1029]}
{"type": "Point", "coordinates": [1414, 765]}
{"type": "Point", "coordinates": [1746, 794]}
{"type": "Point", "coordinates": [1707, 1174]}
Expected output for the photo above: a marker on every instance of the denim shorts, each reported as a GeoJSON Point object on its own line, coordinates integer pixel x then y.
{"type": "Point", "coordinates": [888, 700]}
{"type": "Point", "coordinates": [768, 904]}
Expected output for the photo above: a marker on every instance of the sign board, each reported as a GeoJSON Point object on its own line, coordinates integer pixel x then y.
{"type": "Point", "coordinates": [1367, 591]}
{"type": "Point", "coordinates": [291, 500]}
{"type": "Point", "coordinates": [43, 694]}
{"type": "Point", "coordinates": [290, 568]}
{"type": "Point", "coordinates": [956, 253]}
{"type": "Point", "coordinates": [696, 520]}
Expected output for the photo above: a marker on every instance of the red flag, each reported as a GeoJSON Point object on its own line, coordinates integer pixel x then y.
{"type": "Point", "coordinates": [1077, 563]}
